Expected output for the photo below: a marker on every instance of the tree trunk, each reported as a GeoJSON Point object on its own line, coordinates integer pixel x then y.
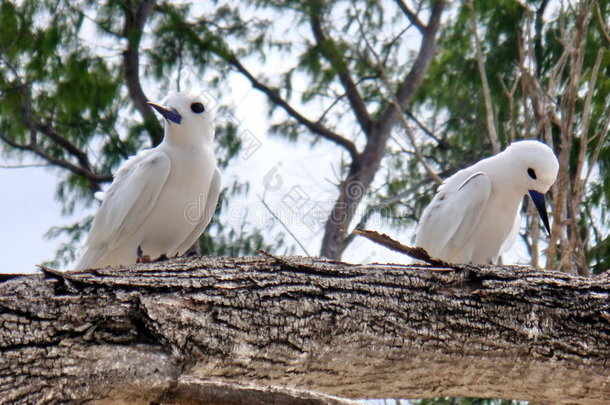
{"type": "Point", "coordinates": [364, 167]}
{"type": "Point", "coordinates": [269, 330]}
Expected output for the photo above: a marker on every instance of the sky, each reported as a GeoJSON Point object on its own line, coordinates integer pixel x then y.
{"type": "Point", "coordinates": [27, 210]}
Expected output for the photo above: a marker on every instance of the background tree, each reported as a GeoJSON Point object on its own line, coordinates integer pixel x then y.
{"type": "Point", "coordinates": [505, 70]}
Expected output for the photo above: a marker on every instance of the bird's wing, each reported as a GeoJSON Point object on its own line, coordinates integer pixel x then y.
{"type": "Point", "coordinates": [127, 203]}
{"type": "Point", "coordinates": [452, 216]}
{"type": "Point", "coordinates": [206, 217]}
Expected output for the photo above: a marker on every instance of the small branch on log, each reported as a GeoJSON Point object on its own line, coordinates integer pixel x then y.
{"type": "Point", "coordinates": [416, 253]}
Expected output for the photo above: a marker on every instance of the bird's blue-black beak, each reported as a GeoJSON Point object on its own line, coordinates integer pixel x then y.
{"type": "Point", "coordinates": [170, 114]}
{"type": "Point", "coordinates": [538, 199]}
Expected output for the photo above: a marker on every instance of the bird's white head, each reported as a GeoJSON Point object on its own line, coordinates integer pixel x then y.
{"type": "Point", "coordinates": [533, 167]}
{"type": "Point", "coordinates": [187, 118]}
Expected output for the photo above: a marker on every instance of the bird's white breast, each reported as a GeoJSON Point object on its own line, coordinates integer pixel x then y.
{"type": "Point", "coordinates": [180, 203]}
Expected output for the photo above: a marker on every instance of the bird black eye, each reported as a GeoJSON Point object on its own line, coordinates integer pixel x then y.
{"type": "Point", "coordinates": [531, 173]}
{"type": "Point", "coordinates": [197, 108]}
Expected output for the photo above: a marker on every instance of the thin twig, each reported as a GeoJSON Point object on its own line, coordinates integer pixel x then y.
{"type": "Point", "coordinates": [600, 144]}
{"type": "Point", "coordinates": [602, 24]}
{"type": "Point", "coordinates": [284, 225]}
{"type": "Point", "coordinates": [25, 166]}
{"type": "Point", "coordinates": [427, 130]}
{"type": "Point", "coordinates": [510, 94]}
{"type": "Point", "coordinates": [586, 115]}
{"type": "Point", "coordinates": [491, 125]}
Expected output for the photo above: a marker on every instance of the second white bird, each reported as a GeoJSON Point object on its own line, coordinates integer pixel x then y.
{"type": "Point", "coordinates": [161, 200]}
{"type": "Point", "coordinates": [474, 217]}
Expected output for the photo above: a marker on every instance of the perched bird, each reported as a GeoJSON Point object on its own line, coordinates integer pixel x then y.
{"type": "Point", "coordinates": [162, 199]}
{"type": "Point", "coordinates": [474, 217]}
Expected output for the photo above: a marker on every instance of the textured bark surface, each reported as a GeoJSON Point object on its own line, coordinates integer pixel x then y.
{"type": "Point", "coordinates": [271, 330]}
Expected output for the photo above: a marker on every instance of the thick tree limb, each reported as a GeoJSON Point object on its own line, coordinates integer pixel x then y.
{"type": "Point", "coordinates": [363, 169]}
{"type": "Point", "coordinates": [171, 331]}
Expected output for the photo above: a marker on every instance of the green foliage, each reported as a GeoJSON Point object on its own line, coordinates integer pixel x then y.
{"type": "Point", "coordinates": [61, 67]}
{"type": "Point", "coordinates": [452, 101]}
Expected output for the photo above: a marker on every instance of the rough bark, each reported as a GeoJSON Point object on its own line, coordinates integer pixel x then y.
{"type": "Point", "coordinates": [265, 330]}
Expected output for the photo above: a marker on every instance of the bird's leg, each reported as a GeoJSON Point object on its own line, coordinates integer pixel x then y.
{"type": "Point", "coordinates": [142, 258]}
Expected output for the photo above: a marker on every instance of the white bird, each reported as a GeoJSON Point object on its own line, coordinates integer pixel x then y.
{"type": "Point", "coordinates": [162, 199]}
{"type": "Point", "coordinates": [474, 217]}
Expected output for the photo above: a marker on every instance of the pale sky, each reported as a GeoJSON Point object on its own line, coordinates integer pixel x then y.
{"type": "Point", "coordinates": [28, 208]}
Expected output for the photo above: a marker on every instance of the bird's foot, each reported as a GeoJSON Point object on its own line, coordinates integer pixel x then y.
{"type": "Point", "coordinates": [143, 259]}
{"type": "Point", "coordinates": [161, 258]}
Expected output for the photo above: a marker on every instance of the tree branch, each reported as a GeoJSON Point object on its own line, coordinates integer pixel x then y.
{"type": "Point", "coordinates": [146, 333]}
{"type": "Point", "coordinates": [331, 53]}
{"type": "Point", "coordinates": [132, 30]}
{"type": "Point", "coordinates": [315, 127]}
{"type": "Point", "coordinates": [393, 100]}
{"type": "Point", "coordinates": [411, 16]}
{"type": "Point", "coordinates": [33, 147]}
{"type": "Point", "coordinates": [84, 169]}
{"type": "Point", "coordinates": [440, 142]}
{"type": "Point", "coordinates": [602, 24]}
{"type": "Point", "coordinates": [363, 170]}
{"type": "Point", "coordinates": [64, 143]}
